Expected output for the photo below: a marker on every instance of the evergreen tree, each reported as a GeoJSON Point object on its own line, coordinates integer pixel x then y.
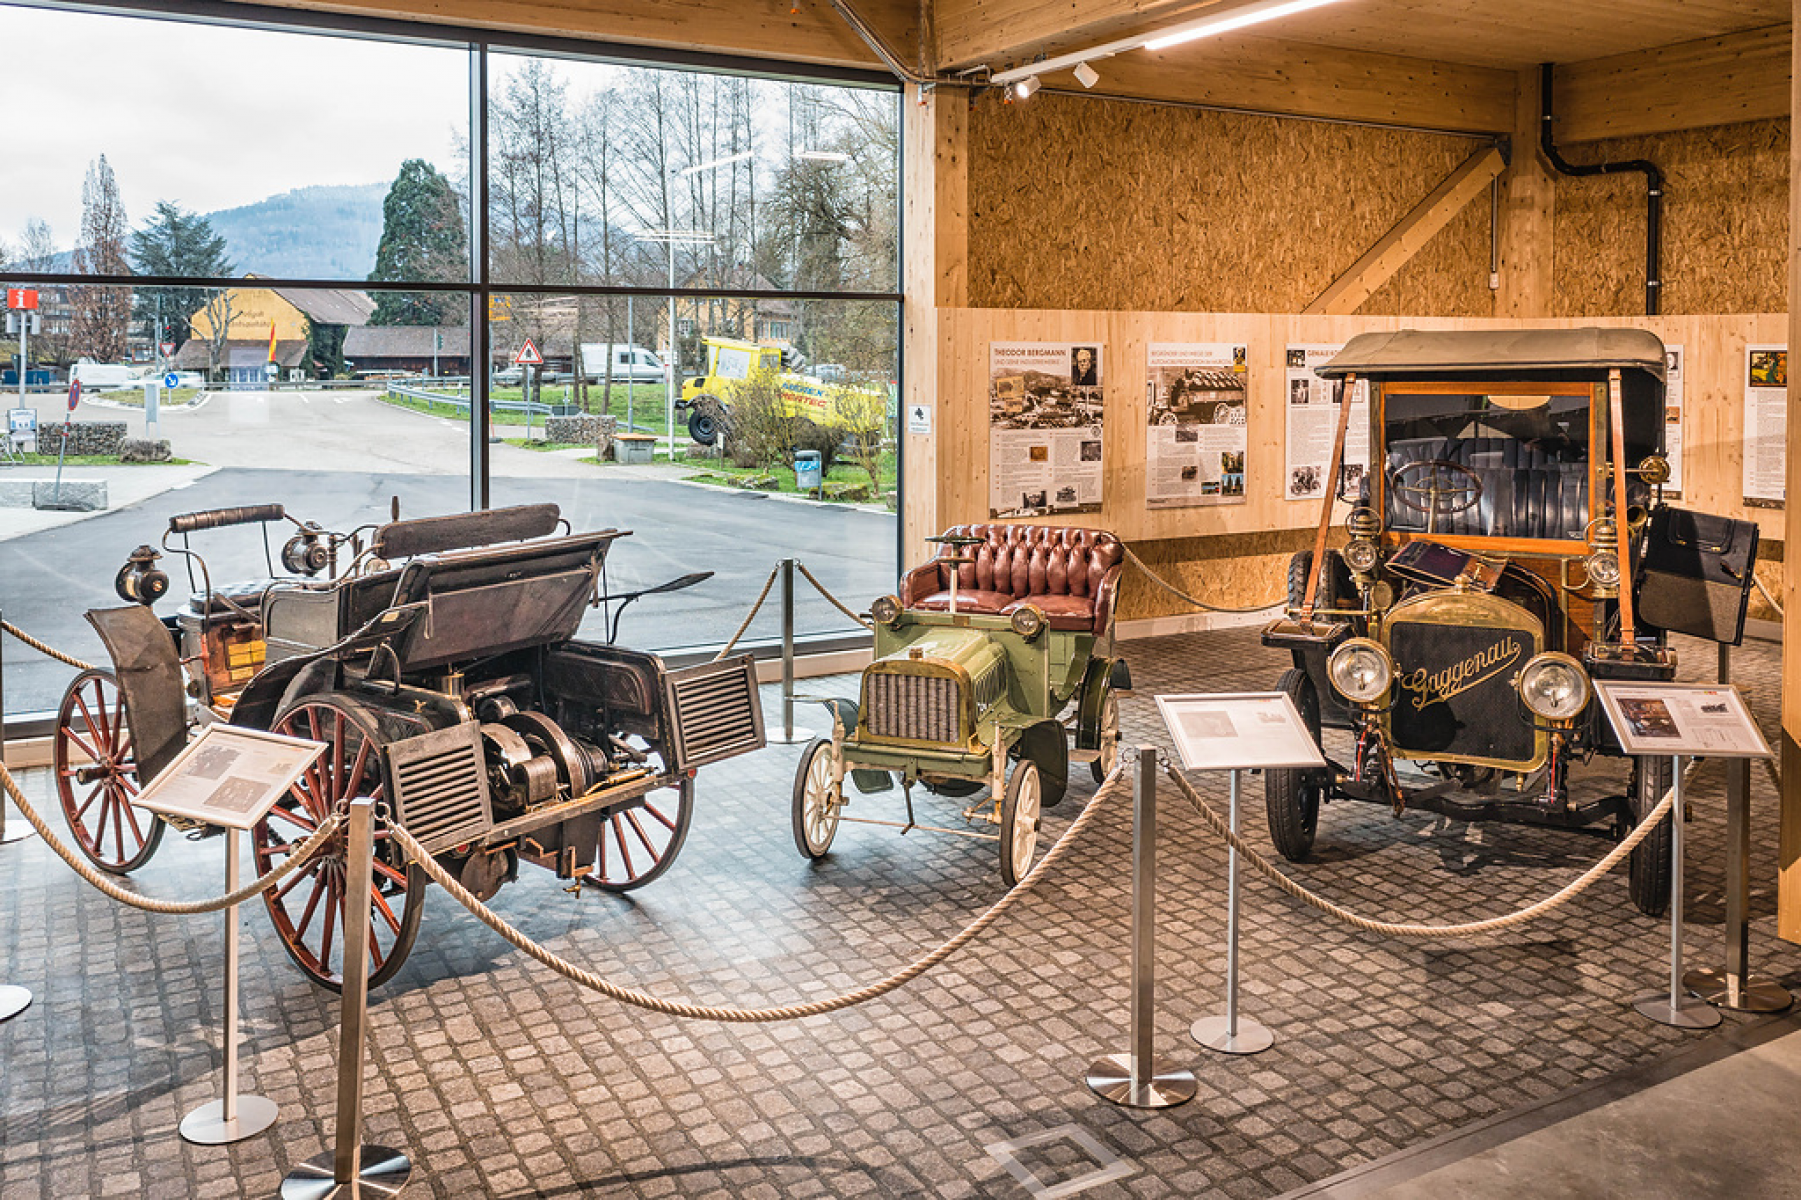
{"type": "Point", "coordinates": [422, 238]}
{"type": "Point", "coordinates": [175, 242]}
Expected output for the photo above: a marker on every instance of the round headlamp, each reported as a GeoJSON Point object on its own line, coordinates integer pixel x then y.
{"type": "Point", "coordinates": [1028, 621]}
{"type": "Point", "coordinates": [1603, 568]}
{"type": "Point", "coordinates": [1361, 670]}
{"type": "Point", "coordinates": [1360, 556]}
{"type": "Point", "coordinates": [1554, 686]}
{"type": "Point", "coordinates": [886, 610]}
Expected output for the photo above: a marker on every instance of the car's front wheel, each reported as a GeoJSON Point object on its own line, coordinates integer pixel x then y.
{"type": "Point", "coordinates": [1021, 811]}
{"type": "Point", "coordinates": [1648, 869]}
{"type": "Point", "coordinates": [1292, 795]}
{"type": "Point", "coordinates": [816, 802]}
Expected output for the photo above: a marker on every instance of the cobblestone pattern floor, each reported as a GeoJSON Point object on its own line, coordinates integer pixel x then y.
{"type": "Point", "coordinates": [500, 1079]}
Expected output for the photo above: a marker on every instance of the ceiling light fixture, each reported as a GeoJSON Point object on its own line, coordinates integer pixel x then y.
{"type": "Point", "coordinates": [1086, 75]}
{"type": "Point", "coordinates": [831, 156]}
{"type": "Point", "coordinates": [1024, 88]}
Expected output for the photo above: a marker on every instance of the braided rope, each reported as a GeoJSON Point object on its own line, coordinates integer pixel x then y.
{"type": "Point", "coordinates": [293, 862]}
{"type": "Point", "coordinates": [752, 614]}
{"type": "Point", "coordinates": [831, 599]}
{"type": "Point", "coordinates": [1183, 596]}
{"type": "Point", "coordinates": [1493, 924]}
{"type": "Point", "coordinates": [1768, 599]}
{"type": "Point", "coordinates": [41, 648]}
{"type": "Point", "coordinates": [790, 1012]}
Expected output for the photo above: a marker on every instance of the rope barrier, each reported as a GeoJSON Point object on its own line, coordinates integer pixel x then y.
{"type": "Point", "coordinates": [752, 614]}
{"type": "Point", "coordinates": [830, 599]}
{"type": "Point", "coordinates": [679, 1008]}
{"type": "Point", "coordinates": [300, 855]}
{"type": "Point", "coordinates": [1184, 596]}
{"type": "Point", "coordinates": [1768, 599]}
{"type": "Point", "coordinates": [41, 648]}
{"type": "Point", "coordinates": [1575, 888]}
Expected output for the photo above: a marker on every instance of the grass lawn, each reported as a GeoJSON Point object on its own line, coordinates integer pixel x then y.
{"type": "Point", "coordinates": [97, 460]}
{"type": "Point", "coordinates": [167, 397]}
{"type": "Point", "coordinates": [723, 472]}
{"type": "Point", "coordinates": [647, 406]}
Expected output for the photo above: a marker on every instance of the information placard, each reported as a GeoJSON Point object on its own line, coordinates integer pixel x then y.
{"type": "Point", "coordinates": [1667, 719]}
{"type": "Point", "coordinates": [1196, 410]}
{"type": "Point", "coordinates": [1766, 425]}
{"type": "Point", "coordinates": [1226, 731]}
{"type": "Point", "coordinates": [1312, 425]}
{"type": "Point", "coordinates": [230, 776]}
{"type": "Point", "coordinates": [1045, 405]}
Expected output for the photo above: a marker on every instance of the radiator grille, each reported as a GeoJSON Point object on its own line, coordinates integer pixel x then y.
{"type": "Point", "coordinates": [440, 787]}
{"type": "Point", "coordinates": [713, 712]}
{"type": "Point", "coordinates": [923, 708]}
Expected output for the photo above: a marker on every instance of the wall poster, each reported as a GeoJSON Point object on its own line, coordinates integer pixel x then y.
{"type": "Point", "coordinates": [1195, 443]}
{"type": "Point", "coordinates": [1313, 425]}
{"type": "Point", "coordinates": [1044, 428]}
{"type": "Point", "coordinates": [1672, 416]}
{"type": "Point", "coordinates": [1766, 425]}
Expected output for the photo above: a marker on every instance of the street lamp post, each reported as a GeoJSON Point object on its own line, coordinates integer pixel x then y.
{"type": "Point", "coordinates": [670, 238]}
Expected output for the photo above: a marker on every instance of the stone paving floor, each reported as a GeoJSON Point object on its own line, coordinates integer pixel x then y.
{"type": "Point", "coordinates": [501, 1079]}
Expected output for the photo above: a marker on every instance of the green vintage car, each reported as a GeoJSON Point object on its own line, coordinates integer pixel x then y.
{"type": "Point", "coordinates": [994, 670]}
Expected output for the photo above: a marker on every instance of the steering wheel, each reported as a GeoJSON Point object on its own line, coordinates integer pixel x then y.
{"type": "Point", "coordinates": [1442, 487]}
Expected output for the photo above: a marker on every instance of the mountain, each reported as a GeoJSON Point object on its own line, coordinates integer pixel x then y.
{"type": "Point", "coordinates": [308, 233]}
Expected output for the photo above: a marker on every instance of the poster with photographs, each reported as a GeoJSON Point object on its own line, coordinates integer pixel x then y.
{"type": "Point", "coordinates": [1680, 718]}
{"type": "Point", "coordinates": [1766, 425]}
{"type": "Point", "coordinates": [229, 776]}
{"type": "Point", "coordinates": [1313, 426]}
{"type": "Point", "coordinates": [1195, 444]}
{"type": "Point", "coordinates": [1672, 416]}
{"type": "Point", "coordinates": [1044, 428]}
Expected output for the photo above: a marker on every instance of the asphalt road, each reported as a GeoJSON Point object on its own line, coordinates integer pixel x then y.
{"type": "Point", "coordinates": [49, 579]}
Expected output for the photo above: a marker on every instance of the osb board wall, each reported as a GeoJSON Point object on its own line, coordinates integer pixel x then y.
{"type": "Point", "coordinates": [1725, 224]}
{"type": "Point", "coordinates": [1083, 203]}
{"type": "Point", "coordinates": [1204, 545]}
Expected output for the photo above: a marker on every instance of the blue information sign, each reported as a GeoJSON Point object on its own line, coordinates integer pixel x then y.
{"type": "Point", "coordinates": [171, 380]}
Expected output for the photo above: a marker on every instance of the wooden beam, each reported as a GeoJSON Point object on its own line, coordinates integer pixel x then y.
{"type": "Point", "coordinates": [1788, 859]}
{"type": "Point", "coordinates": [1001, 32]}
{"type": "Point", "coordinates": [1346, 294]}
{"type": "Point", "coordinates": [1714, 81]}
{"type": "Point", "coordinates": [1528, 210]}
{"type": "Point", "coordinates": [777, 29]}
{"type": "Point", "coordinates": [1296, 79]}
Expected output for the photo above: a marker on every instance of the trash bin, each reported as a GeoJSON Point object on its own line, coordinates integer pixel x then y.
{"type": "Point", "coordinates": [808, 473]}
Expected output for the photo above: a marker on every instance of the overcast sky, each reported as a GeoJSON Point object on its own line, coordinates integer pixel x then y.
{"type": "Point", "coordinates": [205, 116]}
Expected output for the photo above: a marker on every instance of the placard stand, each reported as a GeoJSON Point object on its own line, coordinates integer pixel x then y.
{"type": "Point", "coordinates": [232, 1118]}
{"type": "Point", "coordinates": [1138, 1078]}
{"type": "Point", "coordinates": [1677, 1009]}
{"type": "Point", "coordinates": [1232, 1034]}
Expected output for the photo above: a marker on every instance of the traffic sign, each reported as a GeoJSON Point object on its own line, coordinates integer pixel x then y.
{"type": "Point", "coordinates": [21, 297]}
{"type": "Point", "coordinates": [171, 380]}
{"type": "Point", "coordinates": [528, 356]}
{"type": "Point", "coordinates": [74, 393]}
{"type": "Point", "coordinates": [167, 348]}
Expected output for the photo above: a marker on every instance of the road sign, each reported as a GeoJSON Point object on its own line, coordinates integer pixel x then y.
{"type": "Point", "coordinates": [500, 308]}
{"type": "Point", "coordinates": [171, 380]}
{"type": "Point", "coordinates": [167, 348]}
{"type": "Point", "coordinates": [74, 393]}
{"type": "Point", "coordinates": [21, 297]}
{"type": "Point", "coordinates": [528, 355]}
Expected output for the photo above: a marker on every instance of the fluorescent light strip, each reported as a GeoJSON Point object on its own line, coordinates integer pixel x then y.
{"type": "Point", "coordinates": [1238, 20]}
{"type": "Point", "coordinates": [718, 162]}
{"type": "Point", "coordinates": [822, 156]}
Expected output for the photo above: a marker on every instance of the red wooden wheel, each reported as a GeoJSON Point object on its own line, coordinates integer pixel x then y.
{"type": "Point", "coordinates": [638, 844]}
{"type": "Point", "coordinates": [309, 908]}
{"type": "Point", "coordinates": [97, 776]}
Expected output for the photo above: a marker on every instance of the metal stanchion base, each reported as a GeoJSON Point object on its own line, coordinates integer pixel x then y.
{"type": "Point", "coordinates": [13, 1001]}
{"type": "Point", "coordinates": [1758, 995]}
{"type": "Point", "coordinates": [16, 831]}
{"type": "Point", "coordinates": [1684, 1014]}
{"type": "Point", "coordinates": [1168, 1085]}
{"type": "Point", "coordinates": [207, 1126]}
{"type": "Point", "coordinates": [1212, 1032]}
{"type": "Point", "coordinates": [776, 737]}
{"type": "Point", "coordinates": [384, 1173]}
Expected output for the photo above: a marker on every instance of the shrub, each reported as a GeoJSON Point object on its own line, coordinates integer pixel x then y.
{"type": "Point", "coordinates": [759, 432]}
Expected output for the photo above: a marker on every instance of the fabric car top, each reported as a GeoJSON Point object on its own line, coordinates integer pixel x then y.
{"type": "Point", "coordinates": [1416, 353]}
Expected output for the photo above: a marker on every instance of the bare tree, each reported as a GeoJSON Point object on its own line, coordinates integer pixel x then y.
{"type": "Point", "coordinates": [102, 314]}
{"type": "Point", "coordinates": [213, 323]}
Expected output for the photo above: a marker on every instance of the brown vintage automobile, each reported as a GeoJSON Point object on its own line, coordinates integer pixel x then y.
{"type": "Point", "coordinates": [1496, 566]}
{"type": "Point", "coordinates": [440, 668]}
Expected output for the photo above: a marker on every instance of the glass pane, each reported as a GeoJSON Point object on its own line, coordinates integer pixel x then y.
{"type": "Point", "coordinates": [261, 405]}
{"type": "Point", "coordinates": [202, 150]}
{"type": "Point", "coordinates": [639, 176]}
{"type": "Point", "coordinates": [728, 500]}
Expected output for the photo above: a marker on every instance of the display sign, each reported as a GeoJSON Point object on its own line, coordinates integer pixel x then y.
{"type": "Point", "coordinates": [1766, 425]}
{"type": "Point", "coordinates": [919, 419]}
{"type": "Point", "coordinates": [1045, 404]}
{"type": "Point", "coordinates": [230, 776]}
{"type": "Point", "coordinates": [1238, 731]}
{"type": "Point", "coordinates": [74, 394]}
{"type": "Point", "coordinates": [21, 297]}
{"type": "Point", "coordinates": [1673, 362]}
{"type": "Point", "coordinates": [1196, 411]}
{"type": "Point", "coordinates": [1679, 718]}
{"type": "Point", "coordinates": [1312, 425]}
{"type": "Point", "coordinates": [528, 355]}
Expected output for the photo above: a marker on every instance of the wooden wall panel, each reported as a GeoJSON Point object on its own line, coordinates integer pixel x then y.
{"type": "Point", "coordinates": [1691, 85]}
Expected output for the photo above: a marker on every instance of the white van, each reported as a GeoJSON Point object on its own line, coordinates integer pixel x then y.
{"type": "Point", "coordinates": [104, 377]}
{"type": "Point", "coordinates": [631, 364]}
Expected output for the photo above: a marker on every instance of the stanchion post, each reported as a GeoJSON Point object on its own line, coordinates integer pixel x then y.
{"type": "Point", "coordinates": [790, 734]}
{"type": "Point", "coordinates": [1676, 1009]}
{"type": "Point", "coordinates": [1231, 1034]}
{"type": "Point", "coordinates": [1139, 1079]}
{"type": "Point", "coordinates": [350, 1169]}
{"type": "Point", "coordinates": [20, 831]}
{"type": "Point", "coordinates": [232, 1117]}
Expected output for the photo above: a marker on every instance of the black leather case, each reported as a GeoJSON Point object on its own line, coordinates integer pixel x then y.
{"type": "Point", "coordinates": [1695, 576]}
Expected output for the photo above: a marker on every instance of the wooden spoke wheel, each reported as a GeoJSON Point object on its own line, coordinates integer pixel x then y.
{"type": "Point", "coordinates": [637, 844]}
{"type": "Point", "coordinates": [310, 907]}
{"type": "Point", "coordinates": [1021, 811]}
{"type": "Point", "coordinates": [97, 776]}
{"type": "Point", "coordinates": [814, 815]}
{"type": "Point", "coordinates": [1108, 758]}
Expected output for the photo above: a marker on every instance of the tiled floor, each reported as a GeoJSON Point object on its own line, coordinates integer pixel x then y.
{"type": "Point", "coordinates": [502, 1079]}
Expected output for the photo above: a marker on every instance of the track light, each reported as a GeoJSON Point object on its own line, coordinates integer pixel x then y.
{"type": "Point", "coordinates": [1086, 75]}
{"type": "Point", "coordinates": [1025, 87]}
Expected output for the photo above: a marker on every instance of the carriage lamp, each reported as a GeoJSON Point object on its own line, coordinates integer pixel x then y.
{"type": "Point", "coordinates": [1603, 561]}
{"type": "Point", "coordinates": [886, 610]}
{"type": "Point", "coordinates": [139, 581]}
{"type": "Point", "coordinates": [1361, 670]}
{"type": "Point", "coordinates": [1603, 568]}
{"type": "Point", "coordinates": [1360, 556]}
{"type": "Point", "coordinates": [1028, 621]}
{"type": "Point", "coordinates": [1554, 686]}
{"type": "Point", "coordinates": [1654, 469]}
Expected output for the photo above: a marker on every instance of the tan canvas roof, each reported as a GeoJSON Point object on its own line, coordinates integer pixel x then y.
{"type": "Point", "coordinates": [1418, 352]}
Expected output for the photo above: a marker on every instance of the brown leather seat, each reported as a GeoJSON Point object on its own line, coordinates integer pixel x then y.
{"type": "Point", "coordinates": [1071, 574]}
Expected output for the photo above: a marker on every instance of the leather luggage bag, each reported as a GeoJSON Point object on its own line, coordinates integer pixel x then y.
{"type": "Point", "coordinates": [1695, 575]}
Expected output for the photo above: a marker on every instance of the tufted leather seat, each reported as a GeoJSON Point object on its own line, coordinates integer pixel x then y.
{"type": "Point", "coordinates": [1071, 574]}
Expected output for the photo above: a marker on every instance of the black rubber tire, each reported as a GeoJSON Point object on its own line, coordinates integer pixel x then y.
{"type": "Point", "coordinates": [1334, 582]}
{"type": "Point", "coordinates": [1292, 796]}
{"type": "Point", "coordinates": [1648, 867]}
{"type": "Point", "coordinates": [703, 425]}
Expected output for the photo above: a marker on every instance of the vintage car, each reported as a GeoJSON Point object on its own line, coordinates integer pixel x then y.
{"type": "Point", "coordinates": [1485, 585]}
{"type": "Point", "coordinates": [441, 670]}
{"type": "Point", "coordinates": [994, 658]}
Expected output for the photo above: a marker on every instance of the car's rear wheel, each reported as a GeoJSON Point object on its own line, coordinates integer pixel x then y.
{"type": "Point", "coordinates": [1648, 869]}
{"type": "Point", "coordinates": [1292, 795]}
{"type": "Point", "coordinates": [1103, 763]}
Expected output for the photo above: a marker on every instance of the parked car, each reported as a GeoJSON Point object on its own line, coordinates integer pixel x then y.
{"type": "Point", "coordinates": [631, 364]}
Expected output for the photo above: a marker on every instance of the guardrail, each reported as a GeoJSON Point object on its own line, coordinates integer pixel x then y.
{"type": "Point", "coordinates": [535, 408]}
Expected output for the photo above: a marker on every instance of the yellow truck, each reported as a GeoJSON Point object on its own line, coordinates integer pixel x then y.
{"type": "Point", "coordinates": [706, 399]}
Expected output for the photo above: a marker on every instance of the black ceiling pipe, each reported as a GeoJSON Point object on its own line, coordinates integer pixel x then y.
{"type": "Point", "coordinates": [1653, 189]}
